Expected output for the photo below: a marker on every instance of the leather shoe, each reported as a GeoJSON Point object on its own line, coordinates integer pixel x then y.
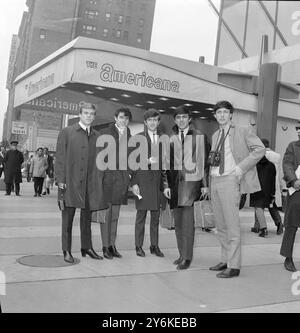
{"type": "Point", "coordinates": [106, 253]}
{"type": "Point", "coordinates": [279, 229]}
{"type": "Point", "coordinates": [263, 232]}
{"type": "Point", "coordinates": [68, 257]}
{"type": "Point", "coordinates": [256, 230]}
{"type": "Point", "coordinates": [139, 251]}
{"type": "Point", "coordinates": [114, 252]}
{"type": "Point", "coordinates": [219, 267]}
{"type": "Point", "coordinates": [178, 261]}
{"type": "Point", "coordinates": [229, 273]}
{"type": "Point", "coordinates": [91, 252]}
{"type": "Point", "coordinates": [156, 250]}
{"type": "Point", "coordinates": [289, 265]}
{"type": "Point", "coordinates": [184, 264]}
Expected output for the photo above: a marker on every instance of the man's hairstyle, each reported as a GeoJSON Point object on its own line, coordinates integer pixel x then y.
{"type": "Point", "coordinates": [40, 148]}
{"type": "Point", "coordinates": [265, 142]}
{"type": "Point", "coordinates": [151, 113]}
{"type": "Point", "coordinates": [182, 109]}
{"type": "Point", "coordinates": [85, 105]}
{"type": "Point", "coordinates": [223, 104]}
{"type": "Point", "coordinates": [126, 111]}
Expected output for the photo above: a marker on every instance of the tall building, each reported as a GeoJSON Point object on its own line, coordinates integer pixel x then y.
{"type": "Point", "coordinates": [243, 22]}
{"type": "Point", "coordinates": [49, 25]}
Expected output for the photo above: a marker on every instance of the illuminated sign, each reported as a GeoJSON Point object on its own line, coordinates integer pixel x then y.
{"type": "Point", "coordinates": [43, 83]}
{"type": "Point", "coordinates": [19, 127]}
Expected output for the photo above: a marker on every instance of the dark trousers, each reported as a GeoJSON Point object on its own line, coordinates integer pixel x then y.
{"type": "Point", "coordinates": [38, 184]}
{"type": "Point", "coordinates": [185, 231]}
{"type": "Point", "coordinates": [140, 221]}
{"type": "Point", "coordinates": [9, 187]}
{"type": "Point", "coordinates": [288, 241]}
{"type": "Point", "coordinates": [274, 212]}
{"type": "Point", "coordinates": [85, 227]}
{"type": "Point", "coordinates": [109, 228]}
{"type": "Point", "coordinates": [1, 170]}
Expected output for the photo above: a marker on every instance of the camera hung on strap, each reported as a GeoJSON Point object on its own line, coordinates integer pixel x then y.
{"type": "Point", "coordinates": [214, 158]}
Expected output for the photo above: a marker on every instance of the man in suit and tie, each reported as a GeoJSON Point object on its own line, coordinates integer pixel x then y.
{"type": "Point", "coordinates": [147, 184]}
{"type": "Point", "coordinates": [79, 180]}
{"type": "Point", "coordinates": [186, 180]}
{"type": "Point", "coordinates": [233, 172]}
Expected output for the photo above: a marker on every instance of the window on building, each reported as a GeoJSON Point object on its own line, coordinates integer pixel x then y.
{"type": "Point", "coordinates": [125, 35]}
{"type": "Point", "coordinates": [93, 2]}
{"type": "Point", "coordinates": [129, 5]}
{"type": "Point", "coordinates": [139, 37]}
{"type": "Point", "coordinates": [91, 14]}
{"type": "Point", "coordinates": [105, 32]}
{"type": "Point", "coordinates": [42, 33]}
{"type": "Point", "coordinates": [113, 33]}
{"type": "Point", "coordinates": [128, 20]}
{"type": "Point", "coordinates": [120, 19]}
{"type": "Point", "coordinates": [118, 33]}
{"type": "Point", "coordinates": [109, 2]}
{"type": "Point", "coordinates": [107, 16]}
{"type": "Point", "coordinates": [141, 22]}
{"type": "Point", "coordinates": [89, 29]}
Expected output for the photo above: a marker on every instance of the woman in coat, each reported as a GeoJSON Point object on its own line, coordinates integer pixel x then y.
{"type": "Point", "coordinates": [259, 200]}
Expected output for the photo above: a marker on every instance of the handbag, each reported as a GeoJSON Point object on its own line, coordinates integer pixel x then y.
{"type": "Point", "coordinates": [166, 217]}
{"type": "Point", "coordinates": [98, 216]}
{"type": "Point", "coordinates": [203, 214]}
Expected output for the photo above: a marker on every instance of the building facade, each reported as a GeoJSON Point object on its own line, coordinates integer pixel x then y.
{"type": "Point", "coordinates": [49, 25]}
{"type": "Point", "coordinates": [243, 22]}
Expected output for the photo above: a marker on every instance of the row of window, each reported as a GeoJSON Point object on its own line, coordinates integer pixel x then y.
{"type": "Point", "coordinates": [89, 30]}
{"type": "Point", "coordinates": [121, 3]}
{"type": "Point", "coordinates": [93, 14]}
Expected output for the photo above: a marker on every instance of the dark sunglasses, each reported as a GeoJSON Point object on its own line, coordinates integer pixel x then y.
{"type": "Point", "coordinates": [297, 128]}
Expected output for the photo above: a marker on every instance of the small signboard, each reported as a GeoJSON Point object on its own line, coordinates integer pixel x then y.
{"type": "Point", "coordinates": [19, 127]}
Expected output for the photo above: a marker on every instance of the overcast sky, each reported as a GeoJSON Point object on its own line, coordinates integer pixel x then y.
{"type": "Point", "coordinates": [181, 28]}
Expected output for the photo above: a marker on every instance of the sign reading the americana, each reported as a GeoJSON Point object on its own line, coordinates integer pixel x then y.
{"type": "Point", "coordinates": [19, 127]}
{"type": "Point", "coordinates": [110, 74]}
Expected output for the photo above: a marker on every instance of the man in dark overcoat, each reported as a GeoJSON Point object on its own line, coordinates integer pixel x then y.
{"type": "Point", "coordinates": [186, 180]}
{"type": "Point", "coordinates": [79, 180]}
{"type": "Point", "coordinates": [116, 182]}
{"type": "Point", "coordinates": [13, 160]}
{"type": "Point", "coordinates": [147, 184]}
{"type": "Point", "coordinates": [291, 171]}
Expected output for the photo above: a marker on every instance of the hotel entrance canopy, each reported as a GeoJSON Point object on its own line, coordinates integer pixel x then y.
{"type": "Point", "coordinates": [134, 77]}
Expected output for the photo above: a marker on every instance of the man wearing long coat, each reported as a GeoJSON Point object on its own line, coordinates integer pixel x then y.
{"type": "Point", "coordinates": [148, 184]}
{"type": "Point", "coordinates": [13, 160]}
{"type": "Point", "coordinates": [186, 181]}
{"type": "Point", "coordinates": [79, 180]}
{"type": "Point", "coordinates": [116, 181]}
{"type": "Point", "coordinates": [291, 166]}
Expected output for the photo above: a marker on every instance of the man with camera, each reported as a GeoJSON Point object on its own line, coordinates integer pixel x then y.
{"type": "Point", "coordinates": [235, 152]}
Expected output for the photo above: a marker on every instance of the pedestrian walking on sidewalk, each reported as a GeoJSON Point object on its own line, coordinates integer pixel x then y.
{"type": "Point", "coordinates": [13, 160]}
{"type": "Point", "coordinates": [264, 198]}
{"type": "Point", "coordinates": [38, 167]}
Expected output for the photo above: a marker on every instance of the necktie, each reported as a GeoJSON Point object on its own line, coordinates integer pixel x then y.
{"type": "Point", "coordinates": [87, 132]}
{"type": "Point", "coordinates": [154, 138]}
{"type": "Point", "coordinates": [222, 152]}
{"type": "Point", "coordinates": [181, 137]}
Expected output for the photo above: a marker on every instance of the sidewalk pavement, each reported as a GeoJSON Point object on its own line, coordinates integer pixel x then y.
{"type": "Point", "coordinates": [32, 226]}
